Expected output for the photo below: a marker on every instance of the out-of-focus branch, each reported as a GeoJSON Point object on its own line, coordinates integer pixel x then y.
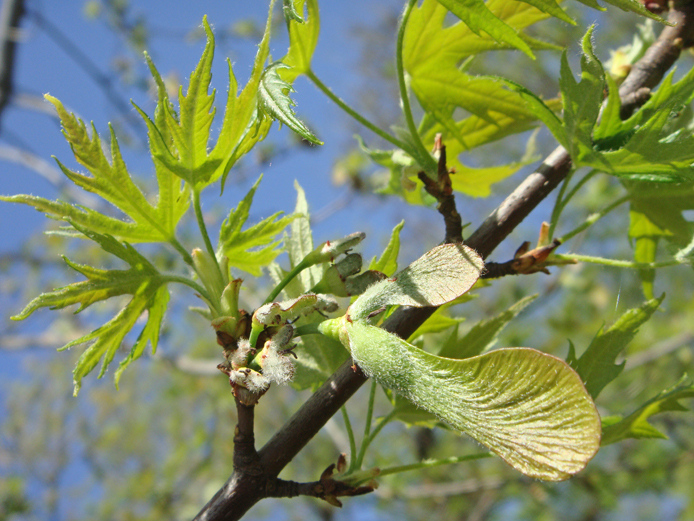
{"type": "Point", "coordinates": [238, 495]}
{"type": "Point", "coordinates": [11, 12]}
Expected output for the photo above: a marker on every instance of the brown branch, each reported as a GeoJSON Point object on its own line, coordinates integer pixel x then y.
{"type": "Point", "coordinates": [238, 495]}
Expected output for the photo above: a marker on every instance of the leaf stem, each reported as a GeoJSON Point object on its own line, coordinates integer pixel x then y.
{"type": "Point", "coordinates": [201, 224]}
{"type": "Point", "coordinates": [349, 110]}
{"type": "Point", "coordinates": [307, 329]}
{"type": "Point", "coordinates": [434, 463]}
{"type": "Point", "coordinates": [617, 263]}
{"type": "Point", "coordinates": [191, 284]}
{"type": "Point", "coordinates": [562, 202]}
{"type": "Point", "coordinates": [422, 156]}
{"type": "Point", "coordinates": [558, 205]}
{"type": "Point", "coordinates": [367, 441]}
{"type": "Point", "coordinates": [180, 249]}
{"type": "Point", "coordinates": [593, 218]}
{"type": "Point", "coordinates": [350, 434]}
{"type": "Point", "coordinates": [367, 426]}
{"type": "Point", "coordinates": [286, 280]}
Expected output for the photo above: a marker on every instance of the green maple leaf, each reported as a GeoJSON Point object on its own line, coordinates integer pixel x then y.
{"type": "Point", "coordinates": [641, 148]}
{"type": "Point", "coordinates": [110, 180]}
{"type": "Point", "coordinates": [596, 366]}
{"type": "Point", "coordinates": [480, 16]}
{"type": "Point", "coordinates": [656, 215]}
{"type": "Point", "coordinates": [238, 244]}
{"type": "Point", "coordinates": [179, 140]}
{"type": "Point", "coordinates": [303, 38]}
{"type": "Point", "coordinates": [636, 425]}
{"type": "Point", "coordinates": [484, 334]}
{"type": "Point", "coordinates": [141, 280]}
{"type": "Point", "coordinates": [432, 55]}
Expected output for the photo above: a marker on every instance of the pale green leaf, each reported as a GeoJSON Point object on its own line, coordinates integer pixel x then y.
{"type": "Point", "coordinates": [596, 366]}
{"type": "Point", "coordinates": [645, 234]}
{"type": "Point", "coordinates": [426, 34]}
{"type": "Point", "coordinates": [485, 333]}
{"type": "Point", "coordinates": [439, 321]}
{"type": "Point", "coordinates": [150, 333]}
{"type": "Point", "coordinates": [641, 148]}
{"type": "Point", "coordinates": [274, 101]}
{"type": "Point", "coordinates": [478, 17]}
{"type": "Point", "coordinates": [299, 244]}
{"type": "Point", "coordinates": [477, 182]}
{"type": "Point", "coordinates": [437, 277]}
{"type": "Point", "coordinates": [303, 38]}
{"type": "Point", "coordinates": [317, 358]}
{"type": "Point", "coordinates": [582, 100]}
{"type": "Point", "coordinates": [526, 406]}
{"type": "Point", "coordinates": [241, 129]}
{"type": "Point", "coordinates": [142, 281]}
{"type": "Point", "coordinates": [388, 261]}
{"type": "Point", "coordinates": [432, 53]}
{"type": "Point", "coordinates": [111, 181]}
{"type": "Point", "coordinates": [542, 111]}
{"type": "Point", "coordinates": [474, 131]}
{"type": "Point", "coordinates": [235, 243]}
{"type": "Point", "coordinates": [636, 424]}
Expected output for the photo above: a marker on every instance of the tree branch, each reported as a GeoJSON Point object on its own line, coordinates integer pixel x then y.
{"type": "Point", "coordinates": [238, 495]}
{"type": "Point", "coordinates": [11, 13]}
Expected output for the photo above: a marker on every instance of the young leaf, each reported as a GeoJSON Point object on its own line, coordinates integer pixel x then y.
{"type": "Point", "coordinates": [636, 424]}
{"type": "Point", "coordinates": [432, 54]}
{"type": "Point", "coordinates": [478, 17]}
{"type": "Point", "coordinates": [645, 234]}
{"type": "Point", "coordinates": [526, 406]}
{"type": "Point", "coordinates": [142, 280]}
{"type": "Point", "coordinates": [439, 321]}
{"type": "Point", "coordinates": [485, 333]}
{"type": "Point", "coordinates": [236, 244]}
{"type": "Point", "coordinates": [582, 99]}
{"type": "Point", "coordinates": [317, 358]}
{"type": "Point", "coordinates": [299, 244]}
{"type": "Point", "coordinates": [437, 277]}
{"type": "Point", "coordinates": [596, 366]}
{"type": "Point", "coordinates": [614, 146]}
{"type": "Point", "coordinates": [290, 12]}
{"type": "Point", "coordinates": [303, 38]}
{"type": "Point", "coordinates": [388, 261]}
{"type": "Point", "coordinates": [621, 145]}
{"type": "Point", "coordinates": [111, 181]}
{"type": "Point", "coordinates": [179, 141]}
{"type": "Point", "coordinates": [241, 129]}
{"type": "Point", "coordinates": [274, 101]}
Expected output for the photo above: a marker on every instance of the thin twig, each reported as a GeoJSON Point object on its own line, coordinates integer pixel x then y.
{"type": "Point", "coordinates": [442, 191]}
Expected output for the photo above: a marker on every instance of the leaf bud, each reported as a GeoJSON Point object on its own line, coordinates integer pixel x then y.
{"type": "Point", "coordinates": [208, 270]}
{"type": "Point", "coordinates": [329, 250]}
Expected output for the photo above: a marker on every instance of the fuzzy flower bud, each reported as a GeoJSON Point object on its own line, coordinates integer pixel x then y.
{"type": "Point", "coordinates": [279, 313]}
{"type": "Point", "coordinates": [276, 365]}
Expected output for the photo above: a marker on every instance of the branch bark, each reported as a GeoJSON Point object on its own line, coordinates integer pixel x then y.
{"type": "Point", "coordinates": [238, 495]}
